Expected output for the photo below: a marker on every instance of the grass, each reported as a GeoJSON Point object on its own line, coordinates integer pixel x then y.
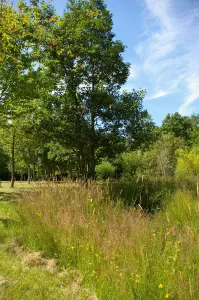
{"type": "Point", "coordinates": [34, 282]}
{"type": "Point", "coordinates": [122, 253]}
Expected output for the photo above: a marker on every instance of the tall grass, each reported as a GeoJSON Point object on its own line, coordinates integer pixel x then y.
{"type": "Point", "coordinates": [123, 253]}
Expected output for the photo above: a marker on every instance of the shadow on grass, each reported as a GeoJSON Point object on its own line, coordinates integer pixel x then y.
{"type": "Point", "coordinates": [4, 196]}
{"type": "Point", "coordinates": [6, 221]}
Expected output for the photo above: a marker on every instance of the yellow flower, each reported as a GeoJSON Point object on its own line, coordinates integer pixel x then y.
{"type": "Point", "coordinates": [160, 286]}
{"type": "Point", "coordinates": [137, 281]}
{"type": "Point", "coordinates": [39, 214]}
{"type": "Point", "coordinates": [154, 234]}
{"type": "Point", "coordinates": [72, 248]}
{"type": "Point", "coordinates": [121, 274]}
{"type": "Point", "coordinates": [167, 296]}
{"type": "Point", "coordinates": [137, 276]}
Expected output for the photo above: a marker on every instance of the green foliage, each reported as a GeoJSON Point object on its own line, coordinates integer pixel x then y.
{"type": "Point", "coordinates": [131, 163]}
{"type": "Point", "coordinates": [180, 126]}
{"type": "Point", "coordinates": [165, 151]}
{"type": "Point", "coordinates": [105, 170]}
{"type": "Point", "coordinates": [159, 160]}
{"type": "Point", "coordinates": [188, 163]}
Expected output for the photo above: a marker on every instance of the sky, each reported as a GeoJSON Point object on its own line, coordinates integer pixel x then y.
{"type": "Point", "coordinates": [162, 39]}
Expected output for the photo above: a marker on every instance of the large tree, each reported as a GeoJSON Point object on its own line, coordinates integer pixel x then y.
{"type": "Point", "coordinates": [89, 61]}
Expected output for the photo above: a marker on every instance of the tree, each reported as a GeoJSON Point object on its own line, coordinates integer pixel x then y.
{"type": "Point", "coordinates": [60, 90]}
{"type": "Point", "coordinates": [89, 61]}
{"type": "Point", "coordinates": [165, 151]}
{"type": "Point", "coordinates": [22, 32]}
{"type": "Point", "coordinates": [133, 122]}
{"type": "Point", "coordinates": [180, 126]}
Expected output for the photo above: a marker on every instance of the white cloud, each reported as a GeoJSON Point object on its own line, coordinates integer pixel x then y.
{"type": "Point", "coordinates": [133, 72]}
{"type": "Point", "coordinates": [157, 95]}
{"type": "Point", "coordinates": [193, 87]}
{"type": "Point", "coordinates": [170, 50]}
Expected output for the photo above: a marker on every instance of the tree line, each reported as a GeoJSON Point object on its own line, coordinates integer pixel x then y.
{"type": "Point", "coordinates": [63, 108]}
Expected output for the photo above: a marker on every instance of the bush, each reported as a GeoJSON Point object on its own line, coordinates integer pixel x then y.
{"type": "Point", "coordinates": [105, 170]}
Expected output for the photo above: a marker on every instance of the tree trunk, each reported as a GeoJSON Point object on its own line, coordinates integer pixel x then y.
{"type": "Point", "coordinates": [92, 165]}
{"type": "Point", "coordinates": [33, 172]}
{"type": "Point", "coordinates": [13, 161]}
{"type": "Point", "coordinates": [29, 174]}
{"type": "Point", "coordinates": [93, 140]}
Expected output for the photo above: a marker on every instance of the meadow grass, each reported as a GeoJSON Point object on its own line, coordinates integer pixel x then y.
{"type": "Point", "coordinates": [33, 279]}
{"type": "Point", "coordinates": [123, 253]}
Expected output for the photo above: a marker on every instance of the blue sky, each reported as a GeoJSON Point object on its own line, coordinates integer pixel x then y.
{"type": "Point", "coordinates": [162, 37]}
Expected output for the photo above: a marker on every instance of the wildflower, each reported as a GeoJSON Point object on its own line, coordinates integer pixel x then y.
{"type": "Point", "coordinates": [39, 214]}
{"type": "Point", "coordinates": [137, 281]}
{"type": "Point", "coordinates": [121, 274]}
{"type": "Point", "coordinates": [167, 296]}
{"type": "Point", "coordinates": [117, 267]}
{"type": "Point", "coordinates": [137, 276]}
{"type": "Point", "coordinates": [72, 248]}
{"type": "Point", "coordinates": [154, 234]}
{"type": "Point", "coordinates": [160, 286]}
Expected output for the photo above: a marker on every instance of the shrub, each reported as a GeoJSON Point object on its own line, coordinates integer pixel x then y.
{"type": "Point", "coordinates": [105, 170]}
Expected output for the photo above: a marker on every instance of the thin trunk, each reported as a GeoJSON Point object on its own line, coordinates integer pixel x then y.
{"type": "Point", "coordinates": [92, 169]}
{"type": "Point", "coordinates": [13, 161]}
{"type": "Point", "coordinates": [37, 172]}
{"type": "Point", "coordinates": [81, 162]}
{"type": "Point", "coordinates": [93, 145]}
{"type": "Point", "coordinates": [29, 174]}
{"type": "Point", "coordinates": [33, 173]}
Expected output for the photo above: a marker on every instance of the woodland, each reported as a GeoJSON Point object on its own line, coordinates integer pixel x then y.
{"type": "Point", "coordinates": [64, 112]}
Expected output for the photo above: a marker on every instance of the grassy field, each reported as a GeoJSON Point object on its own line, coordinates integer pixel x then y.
{"type": "Point", "coordinates": [119, 253]}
